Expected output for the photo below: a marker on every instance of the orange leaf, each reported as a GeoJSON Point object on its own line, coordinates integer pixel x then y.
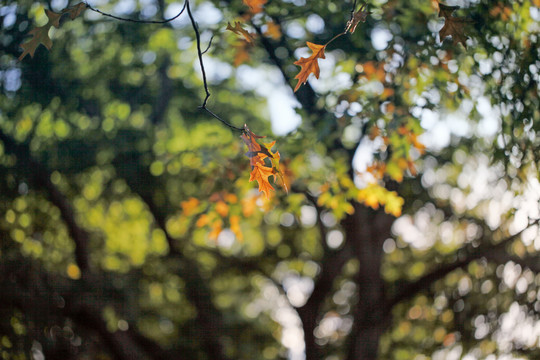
{"type": "Point", "coordinates": [261, 174]}
{"type": "Point", "coordinates": [241, 55]}
{"type": "Point", "coordinates": [202, 221]}
{"type": "Point", "coordinates": [222, 208]}
{"type": "Point", "coordinates": [238, 30]}
{"type": "Point", "coordinates": [249, 205]}
{"type": "Point", "coordinates": [217, 226]}
{"type": "Point", "coordinates": [255, 6]}
{"type": "Point", "coordinates": [231, 198]}
{"type": "Point", "coordinates": [255, 153]}
{"type": "Point", "coordinates": [309, 65]}
{"type": "Point", "coordinates": [235, 227]}
{"type": "Point", "coordinates": [273, 30]}
{"type": "Point", "coordinates": [189, 206]}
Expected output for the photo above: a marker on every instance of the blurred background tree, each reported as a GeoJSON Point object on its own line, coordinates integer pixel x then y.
{"type": "Point", "coordinates": [129, 229]}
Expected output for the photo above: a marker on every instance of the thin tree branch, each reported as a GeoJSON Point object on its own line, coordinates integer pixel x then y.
{"type": "Point", "coordinates": [203, 71]}
{"type": "Point", "coordinates": [199, 52]}
{"type": "Point", "coordinates": [123, 345]}
{"type": "Point", "coordinates": [135, 20]}
{"type": "Point", "coordinates": [209, 45]}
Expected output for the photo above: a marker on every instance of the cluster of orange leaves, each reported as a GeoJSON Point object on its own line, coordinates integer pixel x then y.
{"type": "Point", "coordinates": [503, 11]}
{"type": "Point", "coordinates": [263, 161]}
{"type": "Point", "coordinates": [379, 169]}
{"type": "Point", "coordinates": [453, 26]}
{"type": "Point", "coordinates": [223, 208]}
{"type": "Point", "coordinates": [258, 159]}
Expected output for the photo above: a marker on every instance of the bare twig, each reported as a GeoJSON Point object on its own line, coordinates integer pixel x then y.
{"type": "Point", "coordinates": [203, 71]}
{"type": "Point", "coordinates": [135, 20]}
{"type": "Point", "coordinates": [209, 45]}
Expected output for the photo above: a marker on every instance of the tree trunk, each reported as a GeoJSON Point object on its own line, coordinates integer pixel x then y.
{"type": "Point", "coordinates": [367, 230]}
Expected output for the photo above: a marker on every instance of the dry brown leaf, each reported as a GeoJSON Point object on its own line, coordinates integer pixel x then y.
{"type": "Point", "coordinates": [309, 65]}
{"type": "Point", "coordinates": [360, 15]}
{"type": "Point", "coordinates": [454, 26]}
{"type": "Point", "coordinates": [40, 35]}
{"type": "Point", "coordinates": [238, 30]}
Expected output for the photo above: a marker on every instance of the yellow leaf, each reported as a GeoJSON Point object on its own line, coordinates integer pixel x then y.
{"type": "Point", "coordinates": [73, 272]}
{"type": "Point", "coordinates": [394, 203]}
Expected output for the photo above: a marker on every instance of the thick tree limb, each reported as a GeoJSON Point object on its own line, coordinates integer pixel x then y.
{"type": "Point", "coordinates": [28, 288]}
{"type": "Point", "coordinates": [367, 230]}
{"type": "Point", "coordinates": [495, 253]}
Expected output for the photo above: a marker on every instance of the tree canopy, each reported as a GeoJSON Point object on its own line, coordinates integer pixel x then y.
{"type": "Point", "coordinates": [270, 179]}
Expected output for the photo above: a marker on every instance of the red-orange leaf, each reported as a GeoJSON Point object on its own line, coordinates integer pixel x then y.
{"type": "Point", "coordinates": [309, 65]}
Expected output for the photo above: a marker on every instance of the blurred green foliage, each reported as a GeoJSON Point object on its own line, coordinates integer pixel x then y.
{"type": "Point", "coordinates": [129, 229]}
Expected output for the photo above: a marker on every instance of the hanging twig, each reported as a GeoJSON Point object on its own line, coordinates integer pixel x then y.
{"type": "Point", "coordinates": [200, 53]}
{"type": "Point", "coordinates": [203, 71]}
